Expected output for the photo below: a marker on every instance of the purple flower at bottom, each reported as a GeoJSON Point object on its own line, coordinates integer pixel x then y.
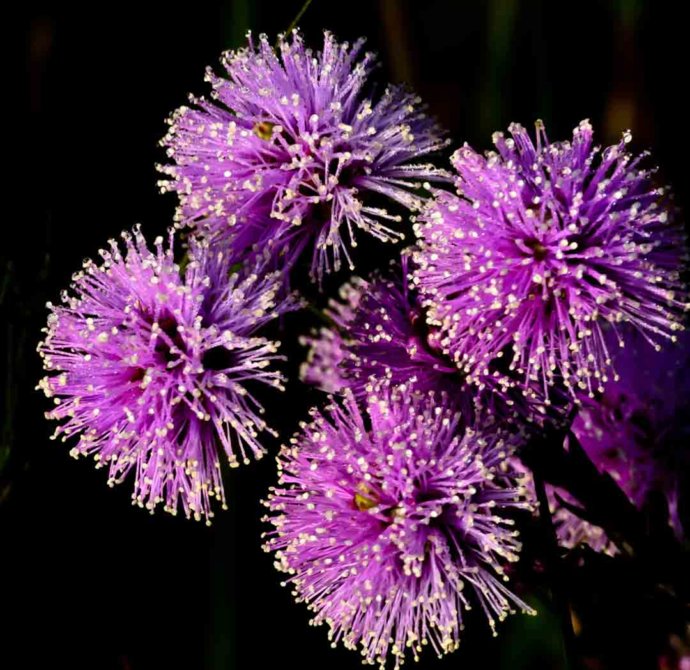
{"type": "Point", "coordinates": [153, 368]}
{"type": "Point", "coordinates": [391, 523]}
{"type": "Point", "coordinates": [547, 248]}
{"type": "Point", "coordinates": [292, 149]}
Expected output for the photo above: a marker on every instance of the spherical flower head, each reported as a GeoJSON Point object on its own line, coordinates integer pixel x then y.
{"type": "Point", "coordinates": [154, 368]}
{"type": "Point", "coordinates": [391, 522]}
{"type": "Point", "coordinates": [292, 148]}
{"type": "Point", "coordinates": [380, 333]}
{"type": "Point", "coordinates": [545, 248]}
{"type": "Point", "coordinates": [638, 430]}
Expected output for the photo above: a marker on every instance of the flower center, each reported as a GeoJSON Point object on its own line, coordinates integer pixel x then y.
{"type": "Point", "coordinates": [365, 497]}
{"type": "Point", "coordinates": [264, 130]}
{"type": "Point", "coordinates": [539, 251]}
{"type": "Point", "coordinates": [137, 375]}
{"type": "Point", "coordinates": [321, 213]}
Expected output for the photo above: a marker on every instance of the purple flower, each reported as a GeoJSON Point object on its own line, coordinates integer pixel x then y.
{"type": "Point", "coordinates": [293, 149]}
{"type": "Point", "coordinates": [545, 249]}
{"type": "Point", "coordinates": [638, 429]}
{"type": "Point", "coordinates": [380, 334]}
{"type": "Point", "coordinates": [391, 522]}
{"type": "Point", "coordinates": [153, 368]}
{"type": "Point", "coordinates": [638, 432]}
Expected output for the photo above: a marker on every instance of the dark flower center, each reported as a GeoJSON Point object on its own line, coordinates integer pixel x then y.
{"type": "Point", "coordinates": [137, 375]}
{"type": "Point", "coordinates": [321, 213]}
{"type": "Point", "coordinates": [539, 251]}
{"type": "Point", "coordinates": [172, 345]}
{"type": "Point", "coordinates": [218, 358]}
{"type": "Point", "coordinates": [427, 495]}
{"type": "Point", "coordinates": [348, 173]}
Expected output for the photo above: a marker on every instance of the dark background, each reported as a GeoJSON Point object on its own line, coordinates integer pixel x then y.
{"type": "Point", "coordinates": [89, 581]}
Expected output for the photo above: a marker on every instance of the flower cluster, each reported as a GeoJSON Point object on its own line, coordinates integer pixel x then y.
{"type": "Point", "coordinates": [391, 522]}
{"type": "Point", "coordinates": [152, 368]}
{"type": "Point", "coordinates": [396, 506]}
{"type": "Point", "coordinates": [545, 248]}
{"type": "Point", "coordinates": [292, 149]}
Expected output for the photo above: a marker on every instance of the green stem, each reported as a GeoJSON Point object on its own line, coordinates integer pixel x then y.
{"type": "Point", "coordinates": [555, 572]}
{"type": "Point", "coordinates": [297, 18]}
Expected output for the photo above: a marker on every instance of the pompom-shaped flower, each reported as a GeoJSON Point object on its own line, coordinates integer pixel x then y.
{"type": "Point", "coordinates": [391, 523]}
{"type": "Point", "coordinates": [543, 250]}
{"type": "Point", "coordinates": [379, 333]}
{"type": "Point", "coordinates": [152, 368]}
{"type": "Point", "coordinates": [292, 149]}
{"type": "Point", "coordinates": [638, 430]}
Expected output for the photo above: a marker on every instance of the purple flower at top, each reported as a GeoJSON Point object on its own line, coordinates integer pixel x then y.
{"type": "Point", "coordinates": [391, 522]}
{"type": "Point", "coordinates": [154, 368]}
{"type": "Point", "coordinates": [379, 333]}
{"type": "Point", "coordinates": [545, 249]}
{"type": "Point", "coordinates": [638, 430]}
{"type": "Point", "coordinates": [293, 148]}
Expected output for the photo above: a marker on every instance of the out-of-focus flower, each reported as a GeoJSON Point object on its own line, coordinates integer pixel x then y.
{"type": "Point", "coordinates": [638, 430]}
{"type": "Point", "coordinates": [326, 346]}
{"type": "Point", "coordinates": [545, 248]}
{"type": "Point", "coordinates": [571, 529]}
{"type": "Point", "coordinates": [293, 149]}
{"type": "Point", "coordinates": [677, 657]}
{"type": "Point", "coordinates": [153, 368]}
{"type": "Point", "coordinates": [391, 522]}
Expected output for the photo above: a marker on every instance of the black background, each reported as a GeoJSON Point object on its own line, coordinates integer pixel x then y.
{"type": "Point", "coordinates": [89, 581]}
